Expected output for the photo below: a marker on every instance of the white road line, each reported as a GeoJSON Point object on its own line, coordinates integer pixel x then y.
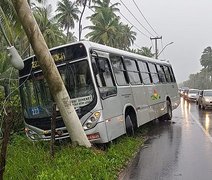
{"type": "Point", "coordinates": [198, 123]}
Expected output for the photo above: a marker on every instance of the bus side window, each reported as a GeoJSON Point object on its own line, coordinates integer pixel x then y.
{"type": "Point", "coordinates": [172, 74]}
{"type": "Point", "coordinates": [144, 72]}
{"type": "Point", "coordinates": [167, 74]}
{"type": "Point", "coordinates": [132, 71]}
{"type": "Point", "coordinates": [105, 75]}
{"type": "Point", "coordinates": [104, 78]}
{"type": "Point", "coordinates": [161, 73]}
{"type": "Point", "coordinates": [154, 73]}
{"type": "Point", "coordinates": [119, 70]}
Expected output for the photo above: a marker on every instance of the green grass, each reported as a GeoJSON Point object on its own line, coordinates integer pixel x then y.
{"type": "Point", "coordinates": [28, 160]}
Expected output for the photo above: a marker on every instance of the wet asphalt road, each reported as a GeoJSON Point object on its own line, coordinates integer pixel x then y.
{"type": "Point", "coordinates": [177, 150]}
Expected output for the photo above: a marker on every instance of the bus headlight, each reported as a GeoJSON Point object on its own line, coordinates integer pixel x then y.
{"type": "Point", "coordinates": [91, 122]}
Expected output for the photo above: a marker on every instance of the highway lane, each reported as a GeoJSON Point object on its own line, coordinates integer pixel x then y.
{"type": "Point", "coordinates": [180, 149]}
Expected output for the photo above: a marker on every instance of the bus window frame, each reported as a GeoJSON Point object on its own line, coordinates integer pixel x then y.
{"type": "Point", "coordinates": [96, 60]}
{"type": "Point", "coordinates": [164, 77]}
{"type": "Point", "coordinates": [124, 71]}
{"type": "Point", "coordinates": [168, 76]}
{"type": "Point", "coordinates": [172, 74]}
{"type": "Point", "coordinates": [126, 58]}
{"type": "Point", "coordinates": [144, 72]}
{"type": "Point", "coordinates": [153, 73]}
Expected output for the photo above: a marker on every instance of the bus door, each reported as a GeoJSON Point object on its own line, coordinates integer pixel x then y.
{"type": "Point", "coordinates": [111, 104]}
{"type": "Point", "coordinates": [138, 91]}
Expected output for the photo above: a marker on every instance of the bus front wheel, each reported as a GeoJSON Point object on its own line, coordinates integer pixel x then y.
{"type": "Point", "coordinates": [129, 126]}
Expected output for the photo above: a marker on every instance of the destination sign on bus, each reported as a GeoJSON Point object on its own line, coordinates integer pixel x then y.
{"type": "Point", "coordinates": [81, 101]}
{"type": "Point", "coordinates": [58, 57]}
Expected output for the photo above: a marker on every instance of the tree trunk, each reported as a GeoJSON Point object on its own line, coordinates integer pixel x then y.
{"type": "Point", "coordinates": [51, 74]}
{"type": "Point", "coordinates": [7, 124]}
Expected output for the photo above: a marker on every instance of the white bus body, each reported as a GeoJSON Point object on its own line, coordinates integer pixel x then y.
{"type": "Point", "coordinates": [129, 90]}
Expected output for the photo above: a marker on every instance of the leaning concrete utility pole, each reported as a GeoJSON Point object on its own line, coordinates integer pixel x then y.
{"type": "Point", "coordinates": [51, 74]}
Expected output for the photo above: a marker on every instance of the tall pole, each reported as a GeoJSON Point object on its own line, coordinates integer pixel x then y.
{"type": "Point", "coordinates": [7, 126]}
{"type": "Point", "coordinates": [84, 2]}
{"type": "Point", "coordinates": [51, 74]}
{"type": "Point", "coordinates": [156, 46]}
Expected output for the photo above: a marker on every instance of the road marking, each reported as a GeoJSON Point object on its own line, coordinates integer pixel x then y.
{"type": "Point", "coordinates": [203, 129]}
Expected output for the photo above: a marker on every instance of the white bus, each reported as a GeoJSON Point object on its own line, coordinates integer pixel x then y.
{"type": "Point", "coordinates": [113, 91]}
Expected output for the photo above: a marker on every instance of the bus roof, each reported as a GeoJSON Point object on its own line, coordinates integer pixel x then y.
{"type": "Point", "coordinates": [104, 48]}
{"type": "Point", "coordinates": [122, 52]}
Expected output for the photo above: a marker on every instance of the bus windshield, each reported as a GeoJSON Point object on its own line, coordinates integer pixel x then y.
{"type": "Point", "coordinates": [37, 99]}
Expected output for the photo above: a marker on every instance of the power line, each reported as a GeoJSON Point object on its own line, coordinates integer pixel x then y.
{"type": "Point", "coordinates": [136, 18]}
{"type": "Point", "coordinates": [144, 17]}
{"type": "Point", "coordinates": [133, 25]}
{"type": "Point", "coordinates": [127, 21]}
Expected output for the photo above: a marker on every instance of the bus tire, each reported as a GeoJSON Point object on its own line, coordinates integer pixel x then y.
{"type": "Point", "coordinates": [202, 107]}
{"type": "Point", "coordinates": [129, 126]}
{"type": "Point", "coordinates": [168, 115]}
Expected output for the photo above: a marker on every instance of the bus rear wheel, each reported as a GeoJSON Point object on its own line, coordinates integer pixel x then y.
{"type": "Point", "coordinates": [168, 115]}
{"type": "Point", "coordinates": [129, 126]}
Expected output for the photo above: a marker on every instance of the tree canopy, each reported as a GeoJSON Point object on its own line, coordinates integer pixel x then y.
{"type": "Point", "coordinates": [202, 79]}
{"type": "Point", "coordinates": [206, 58]}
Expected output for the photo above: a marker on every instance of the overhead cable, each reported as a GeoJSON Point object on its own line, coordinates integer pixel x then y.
{"type": "Point", "coordinates": [136, 18]}
{"type": "Point", "coordinates": [144, 17]}
{"type": "Point", "coordinates": [133, 25]}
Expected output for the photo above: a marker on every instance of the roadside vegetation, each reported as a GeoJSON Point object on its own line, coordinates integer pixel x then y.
{"type": "Point", "coordinates": [32, 160]}
{"type": "Point", "coordinates": [202, 79]}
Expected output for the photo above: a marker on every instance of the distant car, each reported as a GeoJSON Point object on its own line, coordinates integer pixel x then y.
{"type": "Point", "coordinates": [192, 94]}
{"type": "Point", "coordinates": [183, 90]}
{"type": "Point", "coordinates": [185, 93]}
{"type": "Point", "coordinates": [205, 99]}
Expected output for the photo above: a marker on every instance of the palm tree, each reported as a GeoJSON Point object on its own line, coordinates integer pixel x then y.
{"type": "Point", "coordinates": [48, 26]}
{"type": "Point", "coordinates": [126, 36]}
{"type": "Point", "coordinates": [105, 23]}
{"type": "Point", "coordinates": [145, 51]}
{"type": "Point", "coordinates": [71, 37]}
{"type": "Point", "coordinates": [10, 28]}
{"type": "Point", "coordinates": [107, 28]}
{"type": "Point", "coordinates": [67, 14]}
{"type": "Point", "coordinates": [104, 28]}
{"type": "Point", "coordinates": [99, 5]}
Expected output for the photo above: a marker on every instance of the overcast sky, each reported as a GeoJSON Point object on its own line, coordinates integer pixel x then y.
{"type": "Point", "coordinates": [187, 23]}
